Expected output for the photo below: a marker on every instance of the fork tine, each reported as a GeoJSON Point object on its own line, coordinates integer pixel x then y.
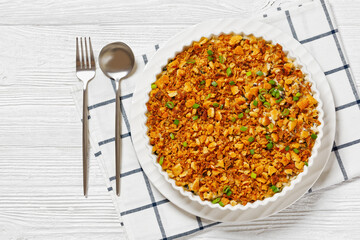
{"type": "Point", "coordinates": [82, 53]}
{"type": "Point", "coordinates": [91, 55]}
{"type": "Point", "coordinates": [77, 54]}
{"type": "Point", "coordinates": [87, 62]}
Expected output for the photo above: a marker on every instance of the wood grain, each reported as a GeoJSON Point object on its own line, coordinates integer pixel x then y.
{"type": "Point", "coordinates": [40, 130]}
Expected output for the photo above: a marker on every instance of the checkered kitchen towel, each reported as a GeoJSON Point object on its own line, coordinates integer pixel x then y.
{"type": "Point", "coordinates": [145, 213]}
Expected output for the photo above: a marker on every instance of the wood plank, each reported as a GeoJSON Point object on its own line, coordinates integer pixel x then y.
{"type": "Point", "coordinates": [119, 12]}
{"type": "Point", "coordinates": [41, 196]}
{"type": "Point", "coordinates": [142, 12]}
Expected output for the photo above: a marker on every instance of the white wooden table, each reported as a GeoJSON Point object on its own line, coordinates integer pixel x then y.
{"type": "Point", "coordinates": [40, 132]}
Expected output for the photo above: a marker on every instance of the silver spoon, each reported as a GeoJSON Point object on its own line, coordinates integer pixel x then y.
{"type": "Point", "coordinates": [117, 61]}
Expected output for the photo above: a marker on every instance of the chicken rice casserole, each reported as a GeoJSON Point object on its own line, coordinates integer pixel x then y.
{"type": "Point", "coordinates": [232, 119]}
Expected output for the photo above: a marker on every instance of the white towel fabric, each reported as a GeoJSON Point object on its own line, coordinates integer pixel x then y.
{"type": "Point", "coordinates": [145, 213]}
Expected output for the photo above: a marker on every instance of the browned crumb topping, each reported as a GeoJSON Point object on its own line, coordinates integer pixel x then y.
{"type": "Point", "coordinates": [232, 119]}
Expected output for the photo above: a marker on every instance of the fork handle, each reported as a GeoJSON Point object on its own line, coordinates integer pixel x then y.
{"type": "Point", "coordinates": [118, 140]}
{"type": "Point", "coordinates": [85, 141]}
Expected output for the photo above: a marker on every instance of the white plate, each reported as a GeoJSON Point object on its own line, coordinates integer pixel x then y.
{"type": "Point", "coordinates": [186, 200]}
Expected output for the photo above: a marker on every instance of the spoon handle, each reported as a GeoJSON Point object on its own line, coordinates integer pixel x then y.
{"type": "Point", "coordinates": [85, 141]}
{"type": "Point", "coordinates": [118, 140]}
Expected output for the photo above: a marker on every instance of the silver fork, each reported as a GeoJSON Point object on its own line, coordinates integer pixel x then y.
{"type": "Point", "coordinates": [85, 71]}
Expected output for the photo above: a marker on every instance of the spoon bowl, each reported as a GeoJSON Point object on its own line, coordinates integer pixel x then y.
{"type": "Point", "coordinates": [117, 61]}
